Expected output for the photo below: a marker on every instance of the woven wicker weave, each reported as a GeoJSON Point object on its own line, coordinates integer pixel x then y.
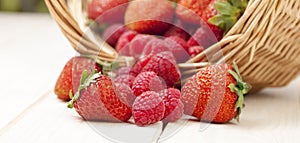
{"type": "Point", "coordinates": [265, 42]}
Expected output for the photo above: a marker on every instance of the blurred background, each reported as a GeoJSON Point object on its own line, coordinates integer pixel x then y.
{"type": "Point", "coordinates": [23, 6]}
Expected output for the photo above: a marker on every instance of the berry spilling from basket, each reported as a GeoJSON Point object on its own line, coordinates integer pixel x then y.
{"type": "Point", "coordinates": [158, 35]}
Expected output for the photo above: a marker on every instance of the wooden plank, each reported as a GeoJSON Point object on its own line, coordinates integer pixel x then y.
{"type": "Point", "coordinates": [271, 116]}
{"type": "Point", "coordinates": [49, 120]}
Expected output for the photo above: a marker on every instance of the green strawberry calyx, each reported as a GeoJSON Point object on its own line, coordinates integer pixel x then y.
{"type": "Point", "coordinates": [85, 81]}
{"type": "Point", "coordinates": [229, 12]}
{"type": "Point", "coordinates": [241, 88]}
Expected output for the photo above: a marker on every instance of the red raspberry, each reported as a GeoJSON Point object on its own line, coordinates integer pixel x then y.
{"type": "Point", "coordinates": [202, 37]}
{"type": "Point", "coordinates": [178, 32]}
{"type": "Point", "coordinates": [125, 94]}
{"type": "Point", "coordinates": [123, 42]}
{"type": "Point", "coordinates": [125, 79]}
{"type": "Point", "coordinates": [164, 65]}
{"type": "Point", "coordinates": [195, 50]}
{"type": "Point", "coordinates": [113, 33]}
{"type": "Point", "coordinates": [138, 44]}
{"type": "Point", "coordinates": [148, 108]}
{"type": "Point", "coordinates": [155, 46]}
{"type": "Point", "coordinates": [173, 104]}
{"type": "Point", "coordinates": [139, 65]}
{"type": "Point", "coordinates": [123, 71]}
{"type": "Point", "coordinates": [178, 47]}
{"type": "Point", "coordinates": [147, 81]}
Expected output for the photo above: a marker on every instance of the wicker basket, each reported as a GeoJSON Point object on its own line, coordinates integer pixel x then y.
{"type": "Point", "coordinates": [265, 42]}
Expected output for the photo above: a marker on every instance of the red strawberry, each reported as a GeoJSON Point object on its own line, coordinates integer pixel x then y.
{"type": "Point", "coordinates": [215, 94]}
{"type": "Point", "coordinates": [147, 81]}
{"type": "Point", "coordinates": [139, 65]}
{"type": "Point", "coordinates": [164, 64]}
{"type": "Point", "coordinates": [202, 37]}
{"type": "Point", "coordinates": [195, 50]}
{"type": "Point", "coordinates": [149, 16]}
{"type": "Point", "coordinates": [125, 79]}
{"type": "Point", "coordinates": [178, 47]}
{"type": "Point", "coordinates": [177, 32]}
{"type": "Point", "coordinates": [108, 11]}
{"type": "Point", "coordinates": [123, 43]}
{"type": "Point", "coordinates": [138, 44]}
{"type": "Point", "coordinates": [148, 108]}
{"type": "Point", "coordinates": [97, 100]}
{"type": "Point", "coordinates": [113, 33]}
{"type": "Point", "coordinates": [69, 77]}
{"type": "Point", "coordinates": [155, 46]}
{"type": "Point", "coordinates": [173, 104]}
{"type": "Point", "coordinates": [125, 93]}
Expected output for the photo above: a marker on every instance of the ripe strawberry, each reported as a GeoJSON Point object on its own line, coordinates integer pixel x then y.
{"type": "Point", "coordinates": [69, 77]}
{"type": "Point", "coordinates": [149, 16]}
{"type": "Point", "coordinates": [178, 47]}
{"type": "Point", "coordinates": [108, 11]}
{"type": "Point", "coordinates": [177, 32]}
{"type": "Point", "coordinates": [113, 33]}
{"type": "Point", "coordinates": [96, 99]}
{"type": "Point", "coordinates": [154, 47]}
{"type": "Point", "coordinates": [195, 50]}
{"type": "Point", "coordinates": [125, 79]}
{"type": "Point", "coordinates": [147, 81]}
{"type": "Point", "coordinates": [215, 94]}
{"type": "Point", "coordinates": [139, 65]}
{"type": "Point", "coordinates": [173, 104]}
{"type": "Point", "coordinates": [148, 108]}
{"type": "Point", "coordinates": [125, 93]}
{"type": "Point", "coordinates": [138, 44]}
{"type": "Point", "coordinates": [164, 64]}
{"type": "Point", "coordinates": [123, 42]}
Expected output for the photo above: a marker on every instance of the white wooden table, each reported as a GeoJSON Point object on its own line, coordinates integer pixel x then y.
{"type": "Point", "coordinates": [32, 53]}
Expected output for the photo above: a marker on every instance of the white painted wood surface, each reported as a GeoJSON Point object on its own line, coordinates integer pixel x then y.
{"type": "Point", "coordinates": [32, 53]}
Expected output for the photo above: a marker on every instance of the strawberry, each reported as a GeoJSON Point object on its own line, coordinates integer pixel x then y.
{"type": "Point", "coordinates": [202, 37]}
{"type": "Point", "coordinates": [113, 33]}
{"type": "Point", "coordinates": [147, 81]}
{"type": "Point", "coordinates": [125, 94]}
{"type": "Point", "coordinates": [148, 108]}
{"type": "Point", "coordinates": [164, 64]}
{"type": "Point", "coordinates": [97, 100]}
{"type": "Point", "coordinates": [149, 16]}
{"type": "Point", "coordinates": [219, 15]}
{"type": "Point", "coordinates": [68, 80]}
{"type": "Point", "coordinates": [173, 104]}
{"type": "Point", "coordinates": [108, 11]}
{"type": "Point", "coordinates": [123, 42]}
{"type": "Point", "coordinates": [138, 44]}
{"type": "Point", "coordinates": [125, 79]}
{"type": "Point", "coordinates": [215, 94]}
{"type": "Point", "coordinates": [195, 50]}
{"type": "Point", "coordinates": [178, 47]}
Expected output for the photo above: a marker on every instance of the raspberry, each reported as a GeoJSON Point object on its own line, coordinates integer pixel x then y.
{"type": "Point", "coordinates": [123, 42]}
{"type": "Point", "coordinates": [125, 94]}
{"type": "Point", "coordinates": [178, 47]}
{"type": "Point", "coordinates": [173, 104]}
{"type": "Point", "coordinates": [155, 46]}
{"type": "Point", "coordinates": [164, 65]}
{"type": "Point", "coordinates": [178, 32]}
{"type": "Point", "coordinates": [195, 50]}
{"type": "Point", "coordinates": [123, 71]}
{"type": "Point", "coordinates": [203, 38]}
{"type": "Point", "coordinates": [147, 81]}
{"type": "Point", "coordinates": [148, 108]}
{"type": "Point", "coordinates": [125, 79]}
{"type": "Point", "coordinates": [138, 44]}
{"type": "Point", "coordinates": [113, 33]}
{"type": "Point", "coordinates": [139, 65]}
